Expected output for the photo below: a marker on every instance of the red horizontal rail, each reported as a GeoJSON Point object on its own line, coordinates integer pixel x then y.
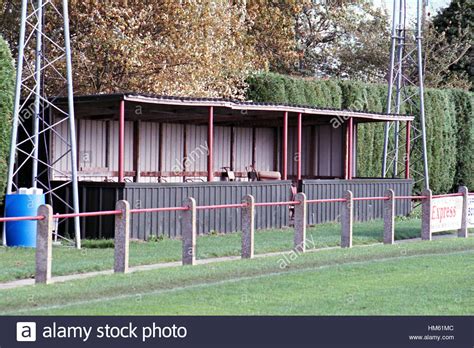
{"type": "Point", "coordinates": [273, 204]}
{"type": "Point", "coordinates": [411, 197]}
{"type": "Point", "coordinates": [449, 195]}
{"type": "Point", "coordinates": [371, 199]}
{"type": "Point", "coordinates": [328, 200]}
{"type": "Point", "coordinates": [87, 214]}
{"type": "Point", "coordinates": [21, 218]}
{"type": "Point", "coordinates": [156, 210]}
{"type": "Point", "coordinates": [221, 206]}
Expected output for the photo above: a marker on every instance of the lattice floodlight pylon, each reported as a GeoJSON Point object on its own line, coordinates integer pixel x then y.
{"type": "Point", "coordinates": [44, 71]}
{"type": "Point", "coordinates": [406, 90]}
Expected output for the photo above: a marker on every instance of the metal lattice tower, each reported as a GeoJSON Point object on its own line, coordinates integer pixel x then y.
{"type": "Point", "coordinates": [405, 87]}
{"type": "Point", "coordinates": [44, 55]}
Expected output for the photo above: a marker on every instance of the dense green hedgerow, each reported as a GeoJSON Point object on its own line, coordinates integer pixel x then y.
{"type": "Point", "coordinates": [449, 122]}
{"type": "Point", "coordinates": [464, 110]}
{"type": "Point", "coordinates": [6, 108]}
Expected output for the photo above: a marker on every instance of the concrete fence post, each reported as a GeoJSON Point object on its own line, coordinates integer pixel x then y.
{"type": "Point", "coordinates": [347, 214]}
{"type": "Point", "coordinates": [44, 245]}
{"type": "Point", "coordinates": [188, 230]}
{"type": "Point", "coordinates": [248, 227]}
{"type": "Point", "coordinates": [300, 223]}
{"type": "Point", "coordinates": [463, 232]}
{"type": "Point", "coordinates": [426, 207]}
{"type": "Point", "coordinates": [389, 218]}
{"type": "Point", "coordinates": [122, 237]}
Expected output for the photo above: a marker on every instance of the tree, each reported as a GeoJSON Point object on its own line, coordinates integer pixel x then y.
{"type": "Point", "coordinates": [10, 22]}
{"type": "Point", "coordinates": [185, 48]}
{"type": "Point", "coordinates": [453, 36]}
{"type": "Point", "coordinates": [344, 38]}
{"type": "Point", "coordinates": [167, 47]}
{"type": "Point", "coordinates": [7, 73]}
{"type": "Point", "coordinates": [271, 30]}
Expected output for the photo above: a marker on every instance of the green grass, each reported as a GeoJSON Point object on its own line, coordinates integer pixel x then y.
{"type": "Point", "coordinates": [18, 263]}
{"type": "Point", "coordinates": [419, 278]}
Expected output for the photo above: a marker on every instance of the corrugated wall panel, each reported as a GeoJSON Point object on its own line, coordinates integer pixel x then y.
{"type": "Point", "coordinates": [292, 150]}
{"type": "Point", "coordinates": [306, 151]}
{"type": "Point", "coordinates": [363, 210]}
{"type": "Point", "coordinates": [58, 148]}
{"type": "Point", "coordinates": [113, 146]}
{"type": "Point", "coordinates": [102, 196]}
{"type": "Point", "coordinates": [324, 149]}
{"type": "Point", "coordinates": [337, 152]}
{"type": "Point", "coordinates": [242, 148]}
{"type": "Point", "coordinates": [326, 154]}
{"type": "Point", "coordinates": [222, 220]}
{"type": "Point", "coordinates": [196, 148]}
{"type": "Point", "coordinates": [221, 148]}
{"type": "Point", "coordinates": [314, 154]}
{"type": "Point", "coordinates": [172, 147]}
{"type": "Point", "coordinates": [149, 147]}
{"type": "Point", "coordinates": [92, 144]}
{"type": "Point", "coordinates": [265, 148]}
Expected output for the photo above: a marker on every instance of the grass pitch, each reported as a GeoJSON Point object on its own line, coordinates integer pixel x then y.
{"type": "Point", "coordinates": [18, 263]}
{"type": "Point", "coordinates": [415, 278]}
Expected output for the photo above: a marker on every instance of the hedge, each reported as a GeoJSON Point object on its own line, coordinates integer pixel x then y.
{"type": "Point", "coordinates": [449, 122]}
{"type": "Point", "coordinates": [7, 73]}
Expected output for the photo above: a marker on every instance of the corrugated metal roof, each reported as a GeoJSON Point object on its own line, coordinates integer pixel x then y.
{"type": "Point", "coordinates": [235, 105]}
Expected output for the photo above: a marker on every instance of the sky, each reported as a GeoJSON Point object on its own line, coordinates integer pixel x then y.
{"type": "Point", "coordinates": [433, 5]}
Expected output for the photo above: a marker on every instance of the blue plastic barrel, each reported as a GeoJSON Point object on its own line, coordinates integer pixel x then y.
{"type": "Point", "coordinates": [22, 233]}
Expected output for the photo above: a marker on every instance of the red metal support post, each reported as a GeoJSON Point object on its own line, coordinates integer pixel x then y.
{"type": "Point", "coordinates": [121, 175]}
{"type": "Point", "coordinates": [284, 164]}
{"type": "Point", "coordinates": [210, 144]}
{"type": "Point", "coordinates": [300, 139]}
{"type": "Point", "coordinates": [407, 150]}
{"type": "Point", "coordinates": [351, 148]}
{"type": "Point", "coordinates": [347, 151]}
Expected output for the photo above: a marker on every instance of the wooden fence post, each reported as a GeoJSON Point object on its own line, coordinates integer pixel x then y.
{"type": "Point", "coordinates": [188, 228]}
{"type": "Point", "coordinates": [300, 223]}
{"type": "Point", "coordinates": [347, 220]}
{"type": "Point", "coordinates": [463, 232]}
{"type": "Point", "coordinates": [389, 218]}
{"type": "Point", "coordinates": [426, 206]}
{"type": "Point", "coordinates": [248, 227]}
{"type": "Point", "coordinates": [44, 245]}
{"type": "Point", "coordinates": [122, 237]}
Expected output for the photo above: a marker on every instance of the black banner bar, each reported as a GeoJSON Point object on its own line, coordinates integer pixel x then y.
{"type": "Point", "coordinates": [237, 332]}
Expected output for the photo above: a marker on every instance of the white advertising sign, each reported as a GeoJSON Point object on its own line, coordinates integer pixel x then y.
{"type": "Point", "coordinates": [446, 214]}
{"type": "Point", "coordinates": [470, 212]}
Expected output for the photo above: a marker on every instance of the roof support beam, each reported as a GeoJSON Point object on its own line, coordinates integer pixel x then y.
{"type": "Point", "coordinates": [407, 150]}
{"type": "Point", "coordinates": [351, 148]}
{"type": "Point", "coordinates": [300, 136]}
{"type": "Point", "coordinates": [210, 145]}
{"type": "Point", "coordinates": [284, 163]}
{"type": "Point", "coordinates": [121, 142]}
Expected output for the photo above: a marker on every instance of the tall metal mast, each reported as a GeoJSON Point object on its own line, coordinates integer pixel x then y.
{"type": "Point", "coordinates": [44, 54]}
{"type": "Point", "coordinates": [405, 88]}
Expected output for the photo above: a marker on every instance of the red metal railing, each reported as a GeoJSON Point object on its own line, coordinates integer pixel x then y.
{"type": "Point", "coordinates": [21, 218]}
{"type": "Point", "coordinates": [328, 200]}
{"type": "Point", "coordinates": [274, 204]}
{"type": "Point", "coordinates": [448, 195]}
{"type": "Point", "coordinates": [87, 214]}
{"type": "Point", "coordinates": [371, 198]}
{"type": "Point", "coordinates": [220, 206]}
{"type": "Point", "coordinates": [156, 210]}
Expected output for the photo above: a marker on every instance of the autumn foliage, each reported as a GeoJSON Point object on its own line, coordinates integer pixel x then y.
{"type": "Point", "coordinates": [188, 47]}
